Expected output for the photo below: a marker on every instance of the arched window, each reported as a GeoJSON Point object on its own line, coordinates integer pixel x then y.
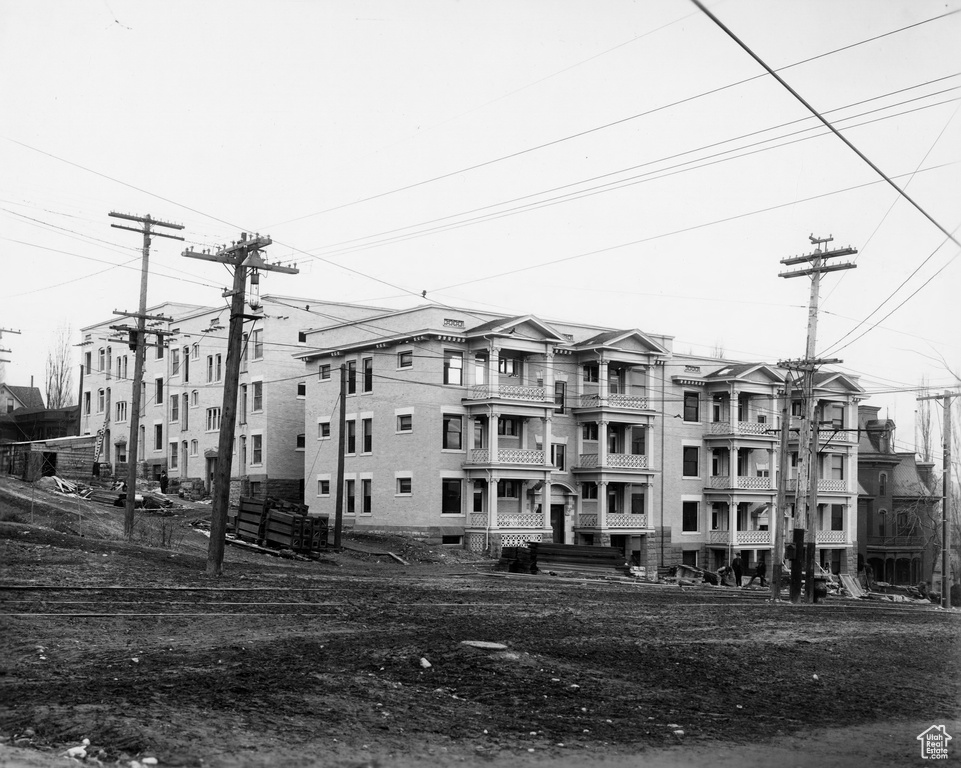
{"type": "Point", "coordinates": [882, 522]}
{"type": "Point", "coordinates": [883, 484]}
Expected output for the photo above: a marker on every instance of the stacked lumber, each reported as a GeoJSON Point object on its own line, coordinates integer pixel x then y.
{"type": "Point", "coordinates": [601, 561]}
{"type": "Point", "coordinates": [516, 560]}
{"type": "Point", "coordinates": [280, 525]}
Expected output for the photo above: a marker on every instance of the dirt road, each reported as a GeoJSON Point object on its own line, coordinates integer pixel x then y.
{"type": "Point", "coordinates": [358, 660]}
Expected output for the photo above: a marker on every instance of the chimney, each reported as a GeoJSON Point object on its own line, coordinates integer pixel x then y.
{"type": "Point", "coordinates": [31, 382]}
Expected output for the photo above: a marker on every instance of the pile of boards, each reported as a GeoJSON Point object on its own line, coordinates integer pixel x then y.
{"type": "Point", "coordinates": [587, 559]}
{"type": "Point", "coordinates": [279, 524]}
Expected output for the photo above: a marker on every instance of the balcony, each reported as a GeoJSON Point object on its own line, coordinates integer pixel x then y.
{"type": "Point", "coordinates": [740, 538]}
{"type": "Point", "coordinates": [629, 402]}
{"type": "Point", "coordinates": [615, 522]}
{"type": "Point", "coordinates": [614, 461]}
{"type": "Point", "coordinates": [530, 394]}
{"type": "Point", "coordinates": [741, 428]}
{"type": "Point", "coordinates": [897, 542]}
{"type": "Point", "coordinates": [831, 537]}
{"type": "Point", "coordinates": [825, 486]}
{"type": "Point", "coordinates": [510, 456]}
{"type": "Point", "coordinates": [514, 520]}
{"type": "Point", "coordinates": [740, 482]}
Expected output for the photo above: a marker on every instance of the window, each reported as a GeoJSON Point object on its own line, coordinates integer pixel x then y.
{"type": "Point", "coordinates": [349, 496]}
{"type": "Point", "coordinates": [194, 447]}
{"type": "Point", "coordinates": [158, 437]}
{"type": "Point", "coordinates": [352, 377]}
{"type": "Point", "coordinates": [122, 411]}
{"type": "Point", "coordinates": [837, 517]}
{"type": "Point", "coordinates": [301, 440]}
{"type": "Point", "coordinates": [452, 437]}
{"type": "Point", "coordinates": [325, 372]}
{"type": "Point", "coordinates": [365, 494]}
{"type": "Point", "coordinates": [243, 404]}
{"type": "Point", "coordinates": [637, 504]}
{"type": "Point", "coordinates": [87, 361]}
{"type": "Point", "coordinates": [508, 426]}
{"type": "Point", "coordinates": [160, 347]}
{"type": "Point", "coordinates": [834, 413]}
{"type": "Point", "coordinates": [589, 491]}
{"type": "Point", "coordinates": [213, 419]}
{"type": "Point", "coordinates": [351, 436]}
{"type": "Point", "coordinates": [450, 496]}
{"type": "Point", "coordinates": [508, 489]}
{"type": "Point", "coordinates": [508, 366]}
{"type": "Point", "coordinates": [195, 351]}
{"type": "Point", "coordinates": [175, 408]}
{"type": "Point", "coordinates": [174, 362]}
{"type": "Point", "coordinates": [368, 374]}
{"type": "Point", "coordinates": [404, 486]}
{"type": "Point", "coordinates": [101, 358]}
{"type": "Point", "coordinates": [405, 423]}
{"type": "Point", "coordinates": [689, 557]}
{"type": "Point", "coordinates": [101, 400]}
{"type": "Point", "coordinates": [256, 449]}
{"type": "Point", "coordinates": [690, 462]}
{"type": "Point", "coordinates": [258, 396]}
{"type": "Point", "coordinates": [591, 373]}
{"type": "Point", "coordinates": [158, 391]}
{"type": "Point", "coordinates": [301, 337]}
{"type": "Point", "coordinates": [836, 466]}
{"type": "Point", "coordinates": [883, 484]}
{"type": "Point", "coordinates": [195, 398]}
{"type": "Point", "coordinates": [302, 389]}
{"type": "Point", "coordinates": [558, 455]}
{"type": "Point", "coordinates": [323, 487]}
{"type": "Point", "coordinates": [692, 409]}
{"type": "Point", "coordinates": [405, 359]}
{"type": "Point", "coordinates": [186, 364]}
{"type": "Point", "coordinates": [323, 430]}
{"type": "Point", "coordinates": [218, 368]}
{"type": "Point", "coordinates": [367, 435]}
{"type": "Point", "coordinates": [689, 516]}
{"type": "Point", "coordinates": [257, 337]}
{"type": "Point", "coordinates": [453, 367]}
{"type": "Point", "coordinates": [560, 395]}
{"type": "Point", "coordinates": [590, 431]}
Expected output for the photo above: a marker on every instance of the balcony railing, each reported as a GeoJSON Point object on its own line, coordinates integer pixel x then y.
{"type": "Point", "coordinates": [743, 482]}
{"type": "Point", "coordinates": [829, 486]}
{"type": "Point", "coordinates": [507, 456]}
{"type": "Point", "coordinates": [509, 392]}
{"type": "Point", "coordinates": [614, 461]}
{"type": "Point", "coordinates": [616, 401]}
{"type": "Point", "coordinates": [831, 537]}
{"type": "Point", "coordinates": [896, 541]}
{"type": "Point", "coordinates": [740, 428]}
{"type": "Point", "coordinates": [627, 521]}
{"type": "Point", "coordinates": [511, 520]}
{"type": "Point", "coordinates": [738, 538]}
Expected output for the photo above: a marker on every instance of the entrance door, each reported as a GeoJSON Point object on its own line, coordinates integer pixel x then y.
{"type": "Point", "coordinates": [211, 472]}
{"type": "Point", "coordinates": [557, 522]}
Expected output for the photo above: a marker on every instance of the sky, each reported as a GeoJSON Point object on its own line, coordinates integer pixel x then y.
{"type": "Point", "coordinates": [625, 164]}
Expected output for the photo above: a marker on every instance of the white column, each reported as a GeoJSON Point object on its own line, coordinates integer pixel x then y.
{"type": "Point", "coordinates": [492, 501]}
{"type": "Point", "coordinates": [603, 387]}
{"type": "Point", "coordinates": [733, 467]}
{"type": "Point", "coordinates": [602, 444]}
{"type": "Point", "coordinates": [733, 410]}
{"type": "Point", "coordinates": [493, 375]}
{"type": "Point", "coordinates": [602, 504]}
{"type": "Point", "coordinates": [547, 441]}
{"type": "Point", "coordinates": [546, 504]}
{"type": "Point", "coordinates": [492, 437]}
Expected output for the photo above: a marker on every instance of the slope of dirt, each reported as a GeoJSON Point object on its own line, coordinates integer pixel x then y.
{"type": "Point", "coordinates": [355, 659]}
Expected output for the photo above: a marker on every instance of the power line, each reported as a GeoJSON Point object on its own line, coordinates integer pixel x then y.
{"type": "Point", "coordinates": [824, 120]}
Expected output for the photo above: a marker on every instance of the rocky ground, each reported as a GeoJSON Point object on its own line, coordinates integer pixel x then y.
{"type": "Point", "coordinates": [356, 659]}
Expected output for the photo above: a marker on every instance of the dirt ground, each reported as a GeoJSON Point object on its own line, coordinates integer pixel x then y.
{"type": "Point", "coordinates": [358, 660]}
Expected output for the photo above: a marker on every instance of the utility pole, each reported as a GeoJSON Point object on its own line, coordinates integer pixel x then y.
{"type": "Point", "coordinates": [241, 255]}
{"type": "Point", "coordinates": [777, 516]}
{"type": "Point", "coordinates": [341, 447]}
{"type": "Point", "coordinates": [945, 399]}
{"type": "Point", "coordinates": [3, 350]}
{"type": "Point", "coordinates": [138, 342]}
{"type": "Point", "coordinates": [806, 493]}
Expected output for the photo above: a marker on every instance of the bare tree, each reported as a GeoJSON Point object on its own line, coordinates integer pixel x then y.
{"type": "Point", "coordinates": [923, 424]}
{"type": "Point", "coordinates": [59, 373]}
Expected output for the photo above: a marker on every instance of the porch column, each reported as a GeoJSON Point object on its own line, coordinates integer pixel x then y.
{"type": "Point", "coordinates": [603, 386]}
{"type": "Point", "coordinates": [493, 371]}
{"type": "Point", "coordinates": [548, 435]}
{"type": "Point", "coordinates": [492, 437]}
{"type": "Point", "coordinates": [549, 374]}
{"type": "Point", "coordinates": [602, 443]}
{"type": "Point", "coordinates": [732, 411]}
{"type": "Point", "coordinates": [492, 501]}
{"type": "Point", "coordinates": [734, 468]}
{"type": "Point", "coordinates": [546, 504]}
{"type": "Point", "coordinates": [602, 504]}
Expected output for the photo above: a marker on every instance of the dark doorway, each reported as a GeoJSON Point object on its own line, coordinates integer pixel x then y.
{"type": "Point", "coordinates": [557, 522]}
{"type": "Point", "coordinates": [49, 466]}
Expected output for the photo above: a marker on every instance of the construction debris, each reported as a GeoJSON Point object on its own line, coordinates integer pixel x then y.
{"type": "Point", "coordinates": [279, 524]}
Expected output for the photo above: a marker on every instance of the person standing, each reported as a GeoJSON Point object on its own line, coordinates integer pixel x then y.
{"type": "Point", "coordinates": [163, 481]}
{"type": "Point", "coordinates": [738, 570]}
{"type": "Point", "coordinates": [759, 574]}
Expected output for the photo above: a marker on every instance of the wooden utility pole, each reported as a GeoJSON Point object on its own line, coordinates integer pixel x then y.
{"type": "Point", "coordinates": [3, 350]}
{"type": "Point", "coordinates": [945, 399]}
{"type": "Point", "coordinates": [807, 479]}
{"type": "Point", "coordinates": [241, 255]}
{"type": "Point", "coordinates": [341, 448]}
{"type": "Point", "coordinates": [138, 343]}
{"type": "Point", "coordinates": [777, 516]}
